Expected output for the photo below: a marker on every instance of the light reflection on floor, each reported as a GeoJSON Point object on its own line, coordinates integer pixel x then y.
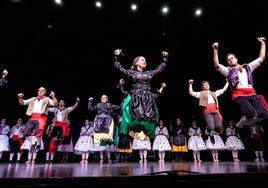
{"type": "Point", "coordinates": [126, 169]}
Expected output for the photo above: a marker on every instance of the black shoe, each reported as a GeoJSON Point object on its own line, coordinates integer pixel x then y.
{"type": "Point", "coordinates": [242, 122]}
{"type": "Point", "coordinates": [256, 120]}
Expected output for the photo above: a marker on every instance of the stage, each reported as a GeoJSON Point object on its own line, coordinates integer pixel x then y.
{"type": "Point", "coordinates": [94, 174]}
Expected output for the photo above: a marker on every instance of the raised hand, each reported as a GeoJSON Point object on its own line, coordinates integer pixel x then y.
{"type": "Point", "coordinates": [117, 52]}
{"type": "Point", "coordinates": [215, 45]}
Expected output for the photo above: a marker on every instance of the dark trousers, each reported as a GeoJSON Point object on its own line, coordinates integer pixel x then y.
{"type": "Point", "coordinates": [251, 106]}
{"type": "Point", "coordinates": [31, 128]}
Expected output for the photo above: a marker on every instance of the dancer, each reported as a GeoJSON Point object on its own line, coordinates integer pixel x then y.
{"type": "Point", "coordinates": [179, 145]}
{"type": "Point", "coordinates": [208, 100]}
{"type": "Point", "coordinates": [61, 114]}
{"type": "Point", "coordinates": [141, 141]}
{"type": "Point", "coordinates": [103, 126]}
{"type": "Point", "coordinates": [233, 141]}
{"type": "Point", "coordinates": [124, 147]}
{"type": "Point", "coordinates": [214, 142]}
{"type": "Point", "coordinates": [257, 141]}
{"type": "Point", "coordinates": [37, 111]}
{"type": "Point", "coordinates": [140, 111]}
{"type": "Point", "coordinates": [121, 86]}
{"type": "Point", "coordinates": [4, 137]}
{"type": "Point", "coordinates": [196, 142]}
{"type": "Point", "coordinates": [241, 81]}
{"type": "Point", "coordinates": [66, 147]}
{"type": "Point", "coordinates": [161, 142]}
{"type": "Point", "coordinates": [49, 141]}
{"type": "Point", "coordinates": [33, 145]}
{"type": "Point", "coordinates": [16, 140]}
{"type": "Point", "coordinates": [84, 144]}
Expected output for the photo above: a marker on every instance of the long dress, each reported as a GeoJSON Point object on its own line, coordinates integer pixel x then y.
{"type": "Point", "coordinates": [4, 138]}
{"type": "Point", "coordinates": [214, 140]}
{"type": "Point", "coordinates": [103, 122]}
{"type": "Point", "coordinates": [196, 142]}
{"type": "Point", "coordinates": [139, 110]}
{"type": "Point", "coordinates": [85, 140]}
{"type": "Point", "coordinates": [233, 142]}
{"type": "Point", "coordinates": [161, 142]}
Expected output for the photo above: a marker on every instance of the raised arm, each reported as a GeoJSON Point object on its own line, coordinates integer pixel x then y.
{"type": "Point", "coordinates": [160, 68]}
{"type": "Point", "coordinates": [4, 73]}
{"type": "Point", "coordinates": [191, 81]}
{"type": "Point", "coordinates": [165, 56]}
{"type": "Point", "coordinates": [163, 85]}
{"type": "Point", "coordinates": [90, 104]}
{"type": "Point", "coordinates": [20, 97]}
{"type": "Point", "coordinates": [262, 41]}
{"type": "Point", "coordinates": [76, 103]}
{"type": "Point", "coordinates": [117, 64]}
{"type": "Point", "coordinates": [55, 100]}
{"type": "Point", "coordinates": [117, 53]}
{"type": "Point", "coordinates": [216, 62]}
{"type": "Point", "coordinates": [121, 86]}
{"type": "Point", "coordinates": [3, 79]}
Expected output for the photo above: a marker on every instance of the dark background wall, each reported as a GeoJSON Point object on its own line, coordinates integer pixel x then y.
{"type": "Point", "coordinates": [69, 49]}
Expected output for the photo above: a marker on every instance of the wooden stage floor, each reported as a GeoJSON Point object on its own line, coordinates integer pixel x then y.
{"type": "Point", "coordinates": [132, 173]}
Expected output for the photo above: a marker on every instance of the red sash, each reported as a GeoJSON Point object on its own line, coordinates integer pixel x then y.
{"type": "Point", "coordinates": [264, 102]}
